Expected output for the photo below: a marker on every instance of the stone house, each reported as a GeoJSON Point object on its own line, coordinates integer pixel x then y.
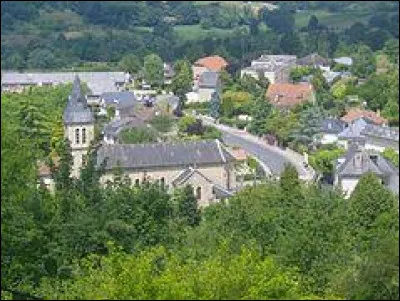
{"type": "Point", "coordinates": [208, 84]}
{"type": "Point", "coordinates": [213, 63]}
{"type": "Point", "coordinates": [276, 68]}
{"type": "Point", "coordinates": [330, 129]}
{"type": "Point", "coordinates": [123, 102]}
{"type": "Point", "coordinates": [356, 162]}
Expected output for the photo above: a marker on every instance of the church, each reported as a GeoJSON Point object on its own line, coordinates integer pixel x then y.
{"type": "Point", "coordinates": [204, 164]}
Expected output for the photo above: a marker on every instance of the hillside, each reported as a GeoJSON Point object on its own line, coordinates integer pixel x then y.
{"type": "Point", "coordinates": [57, 34]}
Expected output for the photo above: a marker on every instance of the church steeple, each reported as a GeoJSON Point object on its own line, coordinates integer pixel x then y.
{"type": "Point", "coordinates": [78, 125]}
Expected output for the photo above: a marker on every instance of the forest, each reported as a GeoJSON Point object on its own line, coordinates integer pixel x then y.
{"type": "Point", "coordinates": [86, 241]}
{"type": "Point", "coordinates": [97, 35]}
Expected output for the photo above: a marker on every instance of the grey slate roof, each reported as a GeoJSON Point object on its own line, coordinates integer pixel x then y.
{"type": "Point", "coordinates": [97, 82]}
{"type": "Point", "coordinates": [350, 167]}
{"type": "Point", "coordinates": [354, 129]}
{"type": "Point", "coordinates": [77, 110]}
{"type": "Point", "coordinates": [313, 59]}
{"type": "Point", "coordinates": [208, 79]}
{"type": "Point", "coordinates": [122, 100]}
{"type": "Point", "coordinates": [188, 172]}
{"type": "Point", "coordinates": [344, 60]}
{"type": "Point", "coordinates": [163, 154]}
{"type": "Point", "coordinates": [116, 126]}
{"type": "Point", "coordinates": [332, 126]}
{"type": "Point", "coordinates": [221, 192]}
{"type": "Point", "coordinates": [381, 132]}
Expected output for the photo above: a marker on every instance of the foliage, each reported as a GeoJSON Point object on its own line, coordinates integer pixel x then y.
{"type": "Point", "coordinates": [138, 135]}
{"type": "Point", "coordinates": [391, 155]}
{"type": "Point", "coordinates": [281, 125]}
{"type": "Point", "coordinates": [185, 122]}
{"type": "Point", "coordinates": [215, 104]}
{"type": "Point", "coordinates": [162, 123]}
{"type": "Point", "coordinates": [186, 206]}
{"type": "Point", "coordinates": [182, 80]}
{"type": "Point", "coordinates": [131, 63]}
{"type": "Point", "coordinates": [364, 62]}
{"type": "Point", "coordinates": [260, 113]}
{"type": "Point", "coordinates": [323, 160]}
{"type": "Point", "coordinates": [297, 73]}
{"type": "Point", "coordinates": [153, 69]}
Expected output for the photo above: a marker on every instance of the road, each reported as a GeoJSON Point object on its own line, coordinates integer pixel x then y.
{"type": "Point", "coordinates": [273, 157]}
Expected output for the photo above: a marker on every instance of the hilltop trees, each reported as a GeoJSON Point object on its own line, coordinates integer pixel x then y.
{"type": "Point", "coordinates": [153, 69]}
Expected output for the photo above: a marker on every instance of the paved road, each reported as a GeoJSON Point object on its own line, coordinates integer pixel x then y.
{"type": "Point", "coordinates": [273, 157]}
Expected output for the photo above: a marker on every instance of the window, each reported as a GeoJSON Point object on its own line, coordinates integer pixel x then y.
{"type": "Point", "coordinates": [77, 136]}
{"type": "Point", "coordinates": [83, 136]}
{"type": "Point", "coordinates": [137, 181]}
{"type": "Point", "coordinates": [198, 193]}
{"type": "Point", "coordinates": [162, 181]}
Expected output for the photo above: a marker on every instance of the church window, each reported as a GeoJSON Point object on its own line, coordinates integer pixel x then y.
{"type": "Point", "coordinates": [198, 193]}
{"type": "Point", "coordinates": [162, 181]}
{"type": "Point", "coordinates": [77, 136]}
{"type": "Point", "coordinates": [83, 136]}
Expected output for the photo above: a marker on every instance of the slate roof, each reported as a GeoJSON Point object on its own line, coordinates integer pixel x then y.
{"type": "Point", "coordinates": [212, 63]}
{"type": "Point", "coordinates": [77, 110]}
{"type": "Point", "coordinates": [115, 127]}
{"type": "Point", "coordinates": [332, 126]}
{"type": "Point", "coordinates": [358, 162]}
{"type": "Point", "coordinates": [381, 132]}
{"type": "Point", "coordinates": [313, 59]}
{"type": "Point", "coordinates": [221, 192]}
{"type": "Point", "coordinates": [97, 82]}
{"type": "Point", "coordinates": [344, 60]}
{"type": "Point", "coordinates": [354, 129]}
{"type": "Point", "coordinates": [185, 174]}
{"type": "Point", "coordinates": [208, 79]}
{"type": "Point", "coordinates": [289, 95]}
{"type": "Point", "coordinates": [163, 154]}
{"type": "Point", "coordinates": [122, 100]}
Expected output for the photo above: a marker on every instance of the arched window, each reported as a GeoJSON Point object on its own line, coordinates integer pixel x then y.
{"type": "Point", "coordinates": [137, 181]}
{"type": "Point", "coordinates": [77, 136]}
{"type": "Point", "coordinates": [162, 181]}
{"type": "Point", "coordinates": [198, 193]}
{"type": "Point", "coordinates": [83, 136]}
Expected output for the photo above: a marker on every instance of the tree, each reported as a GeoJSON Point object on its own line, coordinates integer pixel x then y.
{"type": "Point", "coordinates": [131, 63]}
{"type": "Point", "coordinates": [187, 207]}
{"type": "Point", "coordinates": [260, 113]}
{"type": "Point", "coordinates": [289, 184]}
{"type": "Point", "coordinates": [313, 23]}
{"type": "Point", "coordinates": [281, 125]}
{"type": "Point", "coordinates": [291, 44]}
{"type": "Point", "coordinates": [183, 78]}
{"type": "Point", "coordinates": [139, 135]}
{"type": "Point", "coordinates": [42, 59]}
{"type": "Point", "coordinates": [364, 62]}
{"type": "Point", "coordinates": [391, 155]}
{"type": "Point", "coordinates": [215, 105]}
{"type": "Point", "coordinates": [309, 126]}
{"type": "Point", "coordinates": [153, 69]}
{"type": "Point", "coordinates": [319, 82]}
{"type": "Point", "coordinates": [391, 49]}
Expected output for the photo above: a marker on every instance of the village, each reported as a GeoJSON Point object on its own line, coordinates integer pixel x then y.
{"type": "Point", "coordinates": [190, 144]}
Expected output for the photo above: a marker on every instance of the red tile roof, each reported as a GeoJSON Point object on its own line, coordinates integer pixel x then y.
{"type": "Point", "coordinates": [289, 95]}
{"type": "Point", "coordinates": [356, 113]}
{"type": "Point", "coordinates": [213, 63]}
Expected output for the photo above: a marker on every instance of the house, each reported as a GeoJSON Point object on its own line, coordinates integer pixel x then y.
{"type": "Point", "coordinates": [169, 73]}
{"type": "Point", "coordinates": [356, 162]}
{"type": "Point", "coordinates": [352, 133]}
{"type": "Point", "coordinates": [286, 96]}
{"type": "Point", "coordinates": [356, 113]}
{"type": "Point", "coordinates": [205, 164]}
{"type": "Point", "coordinates": [344, 60]}
{"type": "Point", "coordinates": [380, 137]}
{"type": "Point", "coordinates": [209, 82]}
{"type": "Point", "coordinates": [314, 60]}
{"type": "Point", "coordinates": [276, 68]}
{"type": "Point", "coordinates": [123, 102]}
{"type": "Point", "coordinates": [213, 63]}
{"type": "Point", "coordinates": [168, 104]}
{"type": "Point", "coordinates": [97, 82]}
{"type": "Point", "coordinates": [330, 128]}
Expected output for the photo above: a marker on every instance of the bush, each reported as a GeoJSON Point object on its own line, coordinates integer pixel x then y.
{"type": "Point", "coordinates": [162, 123]}
{"type": "Point", "coordinates": [212, 133]}
{"type": "Point", "coordinates": [227, 121]}
{"type": "Point", "coordinates": [138, 135]}
{"type": "Point", "coordinates": [241, 124]}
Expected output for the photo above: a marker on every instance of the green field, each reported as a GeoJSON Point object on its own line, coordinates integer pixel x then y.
{"type": "Point", "coordinates": [195, 32]}
{"type": "Point", "coordinates": [335, 20]}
